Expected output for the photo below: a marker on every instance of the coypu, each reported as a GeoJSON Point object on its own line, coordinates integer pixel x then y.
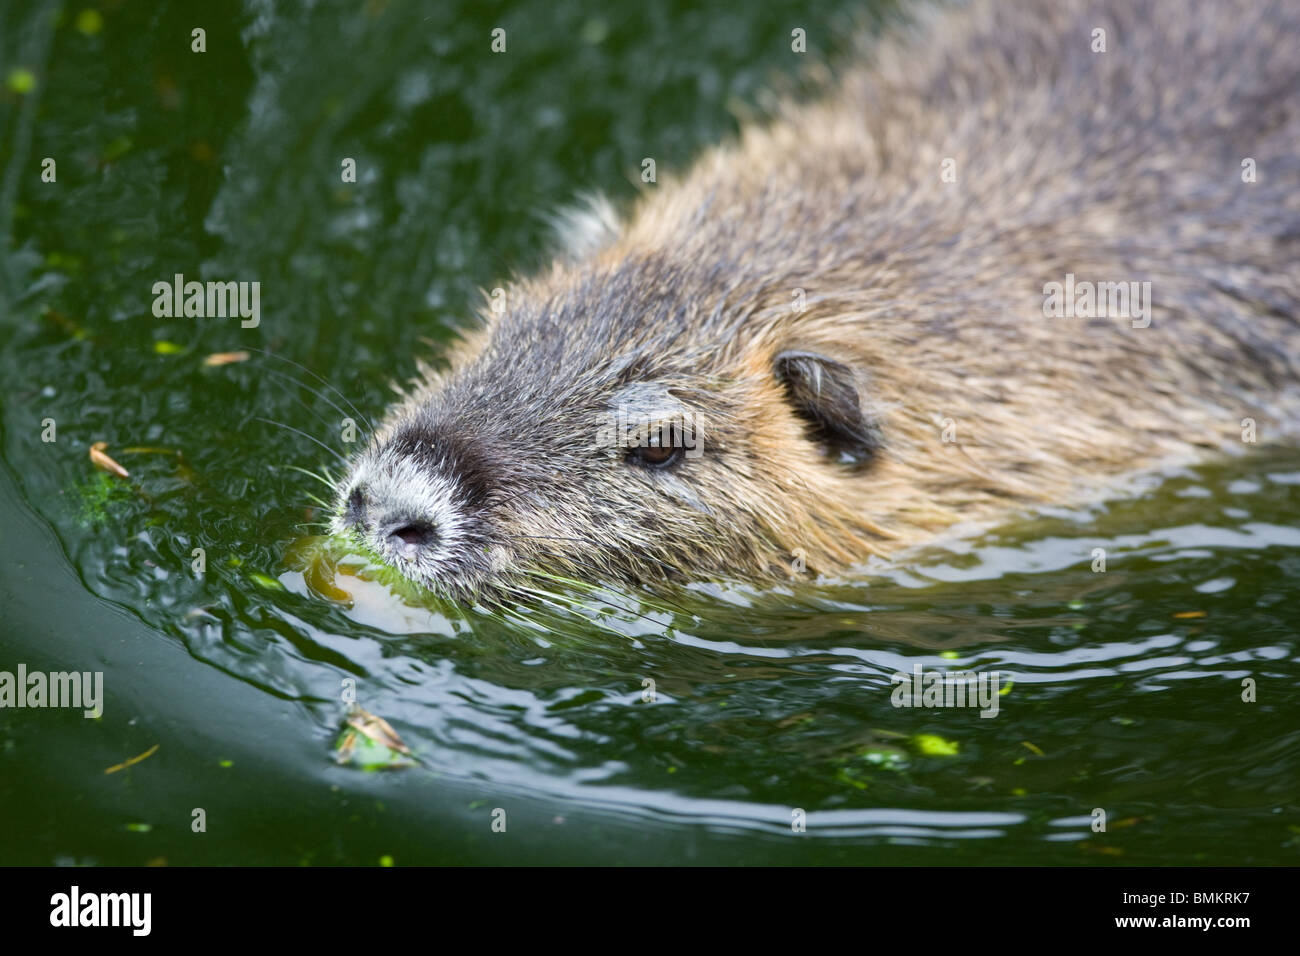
{"type": "Point", "coordinates": [839, 335]}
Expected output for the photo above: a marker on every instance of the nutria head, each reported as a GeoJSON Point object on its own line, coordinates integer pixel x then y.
{"type": "Point", "coordinates": [817, 346]}
{"type": "Point", "coordinates": [609, 425]}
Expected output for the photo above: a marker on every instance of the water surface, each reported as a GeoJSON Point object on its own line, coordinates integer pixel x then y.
{"type": "Point", "coordinates": [1125, 686]}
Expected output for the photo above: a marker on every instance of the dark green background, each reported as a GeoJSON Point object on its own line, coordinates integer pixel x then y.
{"type": "Point", "coordinates": [225, 165]}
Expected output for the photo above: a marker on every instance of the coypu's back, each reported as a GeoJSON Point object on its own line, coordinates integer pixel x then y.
{"type": "Point", "coordinates": [856, 301]}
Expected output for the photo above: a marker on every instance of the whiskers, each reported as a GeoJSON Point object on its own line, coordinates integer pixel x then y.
{"type": "Point", "coordinates": [322, 527]}
{"type": "Point", "coordinates": [298, 431]}
{"type": "Point", "coordinates": [369, 426]}
{"type": "Point", "coordinates": [294, 383]}
{"type": "Point", "coordinates": [592, 587]}
{"type": "Point", "coordinates": [322, 390]}
{"type": "Point", "coordinates": [326, 479]}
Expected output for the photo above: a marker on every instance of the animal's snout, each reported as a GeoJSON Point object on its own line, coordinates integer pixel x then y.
{"type": "Point", "coordinates": [354, 512]}
{"type": "Point", "coordinates": [409, 538]}
{"type": "Point", "coordinates": [404, 535]}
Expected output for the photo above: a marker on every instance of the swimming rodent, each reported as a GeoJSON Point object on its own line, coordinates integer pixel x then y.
{"type": "Point", "coordinates": [844, 319]}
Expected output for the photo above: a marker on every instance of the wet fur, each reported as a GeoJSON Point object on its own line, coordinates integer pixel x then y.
{"type": "Point", "coordinates": [1116, 166]}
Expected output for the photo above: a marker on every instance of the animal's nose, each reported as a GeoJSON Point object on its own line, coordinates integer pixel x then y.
{"type": "Point", "coordinates": [354, 512]}
{"type": "Point", "coordinates": [410, 538]}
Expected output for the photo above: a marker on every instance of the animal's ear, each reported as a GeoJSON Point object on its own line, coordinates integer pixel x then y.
{"type": "Point", "coordinates": [825, 393]}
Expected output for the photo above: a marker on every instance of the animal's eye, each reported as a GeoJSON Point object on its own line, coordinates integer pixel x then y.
{"type": "Point", "coordinates": [656, 456]}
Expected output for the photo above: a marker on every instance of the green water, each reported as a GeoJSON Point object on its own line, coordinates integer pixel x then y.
{"type": "Point", "coordinates": [1125, 685]}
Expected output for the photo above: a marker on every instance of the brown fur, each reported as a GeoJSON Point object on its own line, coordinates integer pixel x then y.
{"type": "Point", "coordinates": [1115, 166]}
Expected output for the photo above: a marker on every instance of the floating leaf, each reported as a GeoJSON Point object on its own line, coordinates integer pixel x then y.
{"type": "Point", "coordinates": [226, 358]}
{"type": "Point", "coordinates": [932, 745]}
{"type": "Point", "coordinates": [1103, 850]}
{"type": "Point", "coordinates": [102, 460]}
{"type": "Point", "coordinates": [134, 760]}
{"type": "Point", "coordinates": [377, 729]}
{"type": "Point", "coordinates": [21, 80]}
{"type": "Point", "coordinates": [354, 747]}
{"type": "Point", "coordinates": [1126, 822]}
{"type": "Point", "coordinates": [371, 743]}
{"type": "Point", "coordinates": [89, 22]}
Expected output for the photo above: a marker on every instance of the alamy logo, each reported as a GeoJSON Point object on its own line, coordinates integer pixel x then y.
{"type": "Point", "coordinates": [102, 909]}
{"type": "Point", "coordinates": [211, 300]}
{"type": "Point", "coordinates": [943, 689]}
{"type": "Point", "coordinates": [1088, 300]}
{"type": "Point", "coordinates": [75, 689]}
